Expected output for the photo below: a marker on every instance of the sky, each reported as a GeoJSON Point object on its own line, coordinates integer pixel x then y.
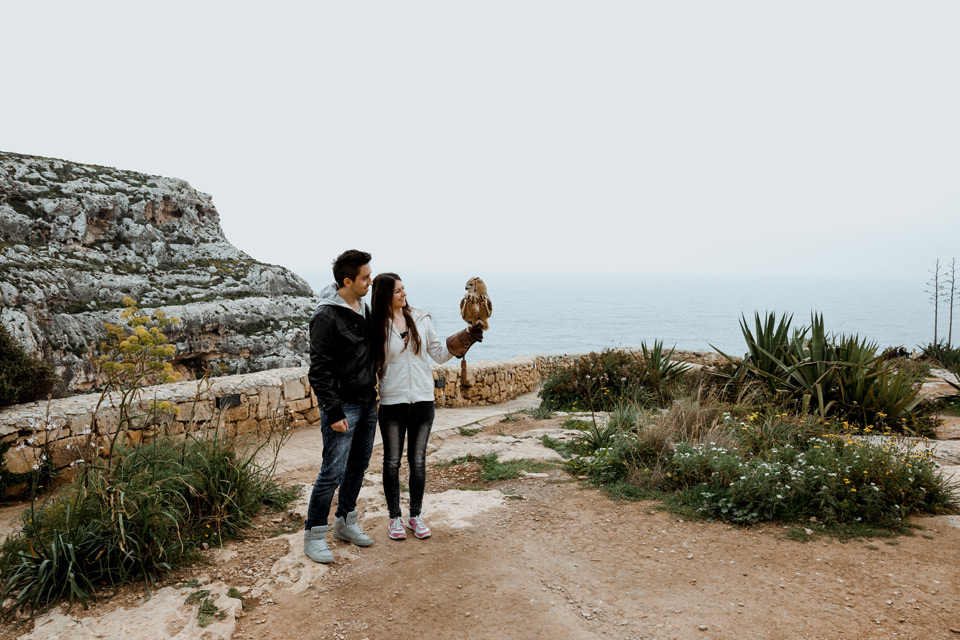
{"type": "Point", "coordinates": [814, 138]}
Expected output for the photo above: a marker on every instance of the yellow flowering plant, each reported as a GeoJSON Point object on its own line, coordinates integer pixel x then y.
{"type": "Point", "coordinates": [133, 356]}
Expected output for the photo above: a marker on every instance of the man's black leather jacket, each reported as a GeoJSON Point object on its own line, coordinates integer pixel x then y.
{"type": "Point", "coordinates": [342, 366]}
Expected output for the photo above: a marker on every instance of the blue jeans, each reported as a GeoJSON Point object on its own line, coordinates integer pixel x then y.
{"type": "Point", "coordinates": [345, 459]}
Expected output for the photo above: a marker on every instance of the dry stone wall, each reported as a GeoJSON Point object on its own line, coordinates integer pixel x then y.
{"type": "Point", "coordinates": [66, 429]}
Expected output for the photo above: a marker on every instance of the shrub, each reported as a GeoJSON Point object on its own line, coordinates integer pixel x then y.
{"type": "Point", "coordinates": [609, 453]}
{"type": "Point", "coordinates": [139, 512]}
{"type": "Point", "coordinates": [131, 358]}
{"type": "Point", "coordinates": [772, 466]}
{"type": "Point", "coordinates": [836, 479]}
{"type": "Point", "coordinates": [943, 354]}
{"type": "Point", "coordinates": [759, 432]}
{"type": "Point", "coordinates": [22, 377]}
{"type": "Point", "coordinates": [919, 369]}
{"type": "Point", "coordinates": [602, 381]}
{"type": "Point", "coordinates": [808, 370]}
{"type": "Point", "coordinates": [138, 515]}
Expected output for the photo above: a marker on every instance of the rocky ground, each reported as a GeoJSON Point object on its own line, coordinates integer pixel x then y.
{"type": "Point", "coordinates": [542, 556]}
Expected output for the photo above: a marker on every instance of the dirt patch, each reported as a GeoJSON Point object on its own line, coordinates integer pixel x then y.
{"type": "Point", "coordinates": [541, 556]}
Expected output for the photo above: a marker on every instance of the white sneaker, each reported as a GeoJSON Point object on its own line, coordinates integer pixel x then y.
{"type": "Point", "coordinates": [348, 529]}
{"type": "Point", "coordinates": [396, 530]}
{"type": "Point", "coordinates": [315, 545]}
{"type": "Point", "coordinates": [418, 527]}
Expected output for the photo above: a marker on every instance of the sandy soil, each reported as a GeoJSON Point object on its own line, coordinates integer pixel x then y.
{"type": "Point", "coordinates": [543, 557]}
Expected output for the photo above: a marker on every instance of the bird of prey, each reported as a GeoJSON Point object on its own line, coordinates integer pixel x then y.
{"type": "Point", "coordinates": [476, 306]}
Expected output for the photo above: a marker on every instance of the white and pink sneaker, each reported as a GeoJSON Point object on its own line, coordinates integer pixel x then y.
{"type": "Point", "coordinates": [418, 527]}
{"type": "Point", "coordinates": [395, 530]}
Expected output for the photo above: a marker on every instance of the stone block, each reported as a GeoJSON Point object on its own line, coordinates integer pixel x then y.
{"type": "Point", "coordinates": [137, 437]}
{"type": "Point", "coordinates": [233, 414]}
{"type": "Point", "coordinates": [247, 426]}
{"type": "Point", "coordinates": [106, 420]}
{"type": "Point", "coordinates": [313, 415]}
{"type": "Point", "coordinates": [300, 406]}
{"type": "Point", "coordinates": [269, 401]}
{"type": "Point", "coordinates": [172, 428]}
{"type": "Point", "coordinates": [21, 460]}
{"type": "Point", "coordinates": [201, 411]}
{"type": "Point", "coordinates": [42, 437]}
{"type": "Point", "coordinates": [67, 450]}
{"type": "Point", "coordinates": [80, 423]}
{"type": "Point", "coordinates": [293, 390]}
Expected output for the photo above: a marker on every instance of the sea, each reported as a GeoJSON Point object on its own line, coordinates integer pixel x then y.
{"type": "Point", "coordinates": [540, 314]}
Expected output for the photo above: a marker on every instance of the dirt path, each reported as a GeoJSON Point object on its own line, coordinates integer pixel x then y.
{"type": "Point", "coordinates": [560, 561]}
{"type": "Point", "coordinates": [543, 557]}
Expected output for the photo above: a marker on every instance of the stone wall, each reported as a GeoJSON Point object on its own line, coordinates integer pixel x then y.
{"type": "Point", "coordinates": [65, 429]}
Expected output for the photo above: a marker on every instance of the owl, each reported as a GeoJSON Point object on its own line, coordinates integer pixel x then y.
{"type": "Point", "coordinates": [476, 307]}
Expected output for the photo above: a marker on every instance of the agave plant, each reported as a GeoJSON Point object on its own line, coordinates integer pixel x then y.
{"type": "Point", "coordinates": [660, 371]}
{"type": "Point", "coordinates": [661, 362]}
{"type": "Point", "coordinates": [815, 371]}
{"type": "Point", "coordinates": [766, 348]}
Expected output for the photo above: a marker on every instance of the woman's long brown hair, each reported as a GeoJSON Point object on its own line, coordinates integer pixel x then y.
{"type": "Point", "coordinates": [381, 309]}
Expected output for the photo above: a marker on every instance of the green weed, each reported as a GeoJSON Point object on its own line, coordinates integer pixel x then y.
{"type": "Point", "coordinates": [197, 596]}
{"type": "Point", "coordinates": [493, 470]}
{"type": "Point", "coordinates": [234, 593]}
{"type": "Point", "coordinates": [209, 613]}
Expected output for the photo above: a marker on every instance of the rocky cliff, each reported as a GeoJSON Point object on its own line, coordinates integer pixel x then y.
{"type": "Point", "coordinates": [76, 239]}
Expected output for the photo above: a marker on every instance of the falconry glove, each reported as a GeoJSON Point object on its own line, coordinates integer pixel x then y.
{"type": "Point", "coordinates": [460, 342]}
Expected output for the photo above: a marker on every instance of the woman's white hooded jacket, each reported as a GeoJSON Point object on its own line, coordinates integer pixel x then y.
{"type": "Point", "coordinates": [406, 375]}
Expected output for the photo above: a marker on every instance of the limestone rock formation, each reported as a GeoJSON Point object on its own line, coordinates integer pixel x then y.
{"type": "Point", "coordinates": [76, 239]}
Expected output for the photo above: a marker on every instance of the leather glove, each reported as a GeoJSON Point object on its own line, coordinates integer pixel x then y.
{"type": "Point", "coordinates": [460, 342]}
{"type": "Point", "coordinates": [476, 332]}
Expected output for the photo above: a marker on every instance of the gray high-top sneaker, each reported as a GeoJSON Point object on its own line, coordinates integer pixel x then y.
{"type": "Point", "coordinates": [349, 529]}
{"type": "Point", "coordinates": [315, 544]}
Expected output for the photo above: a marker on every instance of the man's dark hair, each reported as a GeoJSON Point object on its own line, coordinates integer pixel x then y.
{"type": "Point", "coordinates": [347, 265]}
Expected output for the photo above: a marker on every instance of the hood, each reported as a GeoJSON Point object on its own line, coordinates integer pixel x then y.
{"type": "Point", "coordinates": [329, 298]}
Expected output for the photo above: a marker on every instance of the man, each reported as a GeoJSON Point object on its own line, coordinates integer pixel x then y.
{"type": "Point", "coordinates": [343, 377]}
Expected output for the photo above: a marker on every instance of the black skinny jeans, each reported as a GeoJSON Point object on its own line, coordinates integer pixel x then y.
{"type": "Point", "coordinates": [397, 421]}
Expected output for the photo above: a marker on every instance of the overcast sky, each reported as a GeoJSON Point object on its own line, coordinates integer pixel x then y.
{"type": "Point", "coordinates": [519, 136]}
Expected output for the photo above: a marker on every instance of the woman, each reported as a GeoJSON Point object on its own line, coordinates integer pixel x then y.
{"type": "Point", "coordinates": [402, 339]}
